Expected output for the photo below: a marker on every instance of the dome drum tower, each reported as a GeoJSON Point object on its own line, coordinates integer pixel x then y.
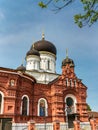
{"type": "Point", "coordinates": [42, 58]}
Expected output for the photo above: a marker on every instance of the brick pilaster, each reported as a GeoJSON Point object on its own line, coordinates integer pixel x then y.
{"type": "Point", "coordinates": [31, 125]}
{"type": "Point", "coordinates": [56, 125]}
{"type": "Point", "coordinates": [93, 124]}
{"type": "Point", "coordinates": [76, 125]}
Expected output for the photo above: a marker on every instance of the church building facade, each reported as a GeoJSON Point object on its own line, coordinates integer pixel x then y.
{"type": "Point", "coordinates": [36, 92]}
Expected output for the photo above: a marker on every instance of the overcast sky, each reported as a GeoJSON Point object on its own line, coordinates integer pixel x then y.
{"type": "Point", "coordinates": [22, 23]}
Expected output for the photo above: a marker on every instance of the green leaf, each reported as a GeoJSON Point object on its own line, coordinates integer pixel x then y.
{"type": "Point", "coordinates": [42, 5]}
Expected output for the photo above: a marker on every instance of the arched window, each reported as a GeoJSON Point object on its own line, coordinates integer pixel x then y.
{"type": "Point", "coordinates": [12, 82]}
{"type": "Point", "coordinates": [1, 102]}
{"type": "Point", "coordinates": [70, 102]}
{"type": "Point", "coordinates": [48, 64]}
{"type": "Point", "coordinates": [25, 105]}
{"type": "Point", "coordinates": [42, 107]}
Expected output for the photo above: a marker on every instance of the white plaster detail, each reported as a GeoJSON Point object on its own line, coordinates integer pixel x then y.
{"type": "Point", "coordinates": [43, 67]}
{"type": "Point", "coordinates": [33, 62]}
{"type": "Point", "coordinates": [49, 126]}
{"type": "Point", "coordinates": [38, 126]}
{"type": "Point", "coordinates": [19, 126]}
{"type": "Point", "coordinates": [2, 103]}
{"type": "Point", "coordinates": [43, 77]}
{"type": "Point", "coordinates": [47, 62]}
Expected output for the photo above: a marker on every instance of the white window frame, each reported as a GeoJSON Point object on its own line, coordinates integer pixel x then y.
{"type": "Point", "coordinates": [27, 104]}
{"type": "Point", "coordinates": [2, 103]}
{"type": "Point", "coordinates": [74, 100]}
{"type": "Point", "coordinates": [46, 106]}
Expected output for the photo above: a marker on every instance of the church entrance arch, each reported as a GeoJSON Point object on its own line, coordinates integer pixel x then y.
{"type": "Point", "coordinates": [70, 109]}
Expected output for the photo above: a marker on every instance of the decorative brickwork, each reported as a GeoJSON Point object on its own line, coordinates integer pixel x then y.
{"type": "Point", "coordinates": [58, 95]}
{"type": "Point", "coordinates": [24, 99]}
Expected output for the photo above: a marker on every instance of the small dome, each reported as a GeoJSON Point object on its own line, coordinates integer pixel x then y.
{"type": "Point", "coordinates": [68, 61]}
{"type": "Point", "coordinates": [43, 45]}
{"type": "Point", "coordinates": [21, 68]}
{"type": "Point", "coordinates": [32, 51]}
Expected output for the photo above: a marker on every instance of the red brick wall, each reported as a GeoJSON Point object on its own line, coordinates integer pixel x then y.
{"type": "Point", "coordinates": [54, 94]}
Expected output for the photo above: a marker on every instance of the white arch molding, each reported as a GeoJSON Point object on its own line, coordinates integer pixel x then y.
{"type": "Point", "coordinates": [2, 103]}
{"type": "Point", "coordinates": [46, 106]}
{"type": "Point", "coordinates": [74, 100]}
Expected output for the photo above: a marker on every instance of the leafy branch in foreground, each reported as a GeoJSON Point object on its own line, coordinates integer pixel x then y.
{"type": "Point", "coordinates": [90, 7]}
{"type": "Point", "coordinates": [91, 13]}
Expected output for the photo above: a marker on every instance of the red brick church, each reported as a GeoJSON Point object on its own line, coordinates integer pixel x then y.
{"type": "Point", "coordinates": [36, 92]}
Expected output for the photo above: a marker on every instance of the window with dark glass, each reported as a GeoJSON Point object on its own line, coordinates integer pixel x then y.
{"type": "Point", "coordinates": [48, 64]}
{"type": "Point", "coordinates": [69, 102]}
{"type": "Point", "coordinates": [24, 106]}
